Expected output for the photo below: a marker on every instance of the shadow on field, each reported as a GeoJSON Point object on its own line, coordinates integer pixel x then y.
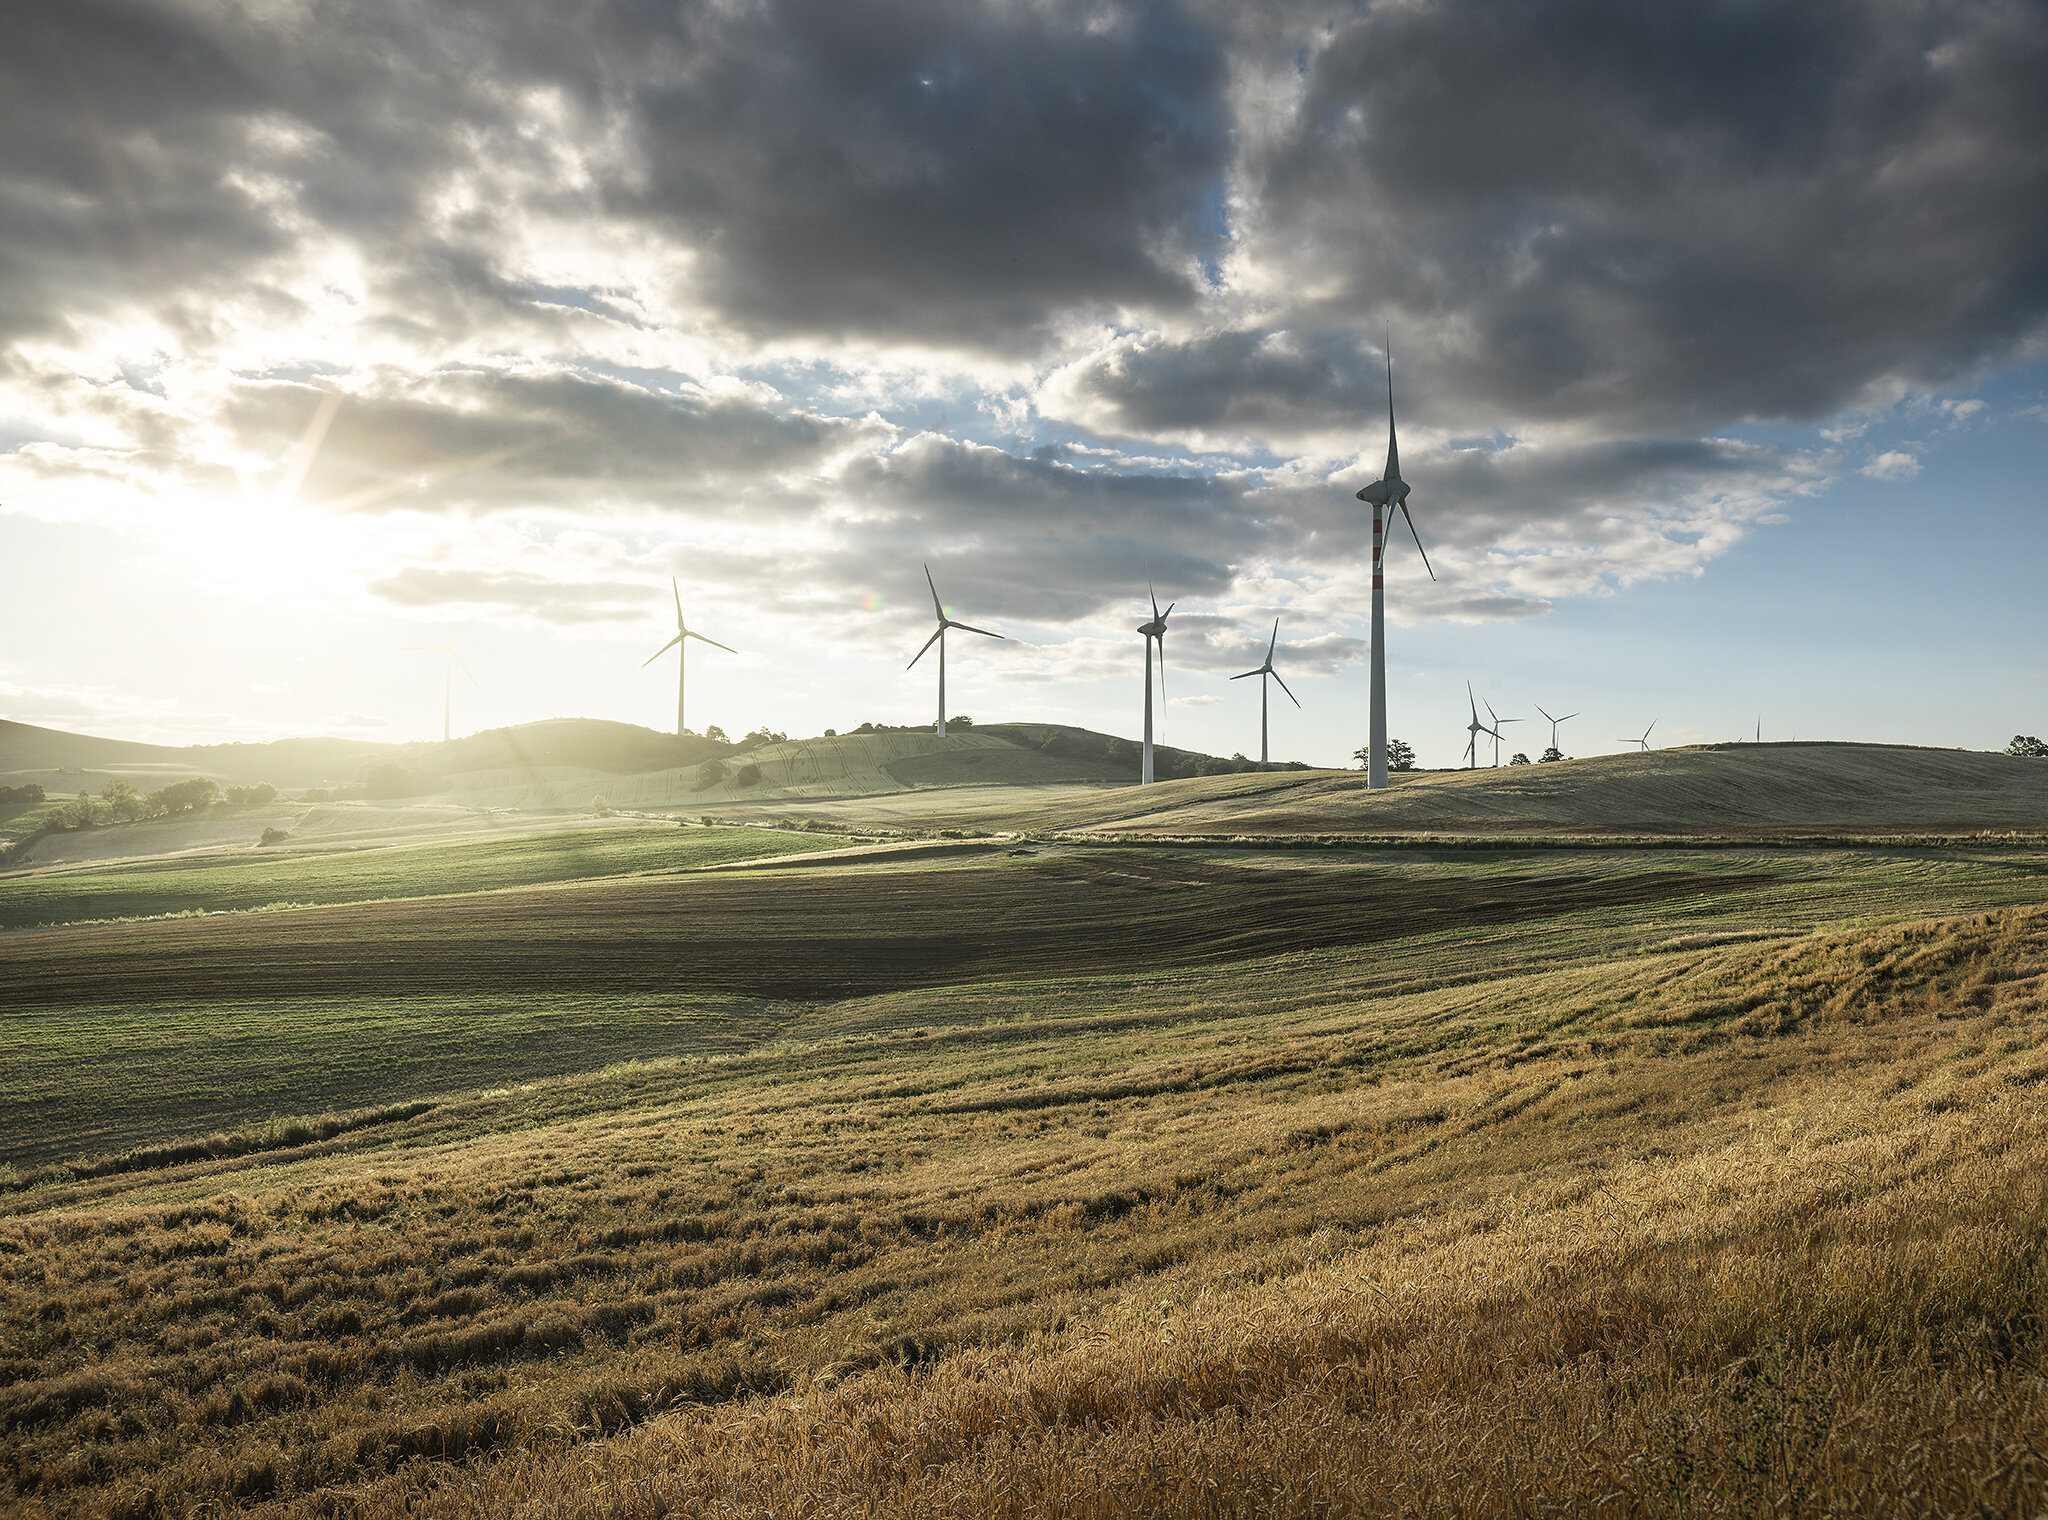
{"type": "Point", "coordinates": [794, 937]}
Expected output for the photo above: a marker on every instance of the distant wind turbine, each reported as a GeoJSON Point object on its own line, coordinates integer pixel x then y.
{"type": "Point", "coordinates": [1644, 741]}
{"type": "Point", "coordinates": [939, 638]}
{"type": "Point", "coordinates": [1388, 494]}
{"type": "Point", "coordinates": [450, 660]}
{"type": "Point", "coordinates": [1474, 729]}
{"type": "Point", "coordinates": [682, 652]}
{"type": "Point", "coordinates": [1262, 672]}
{"type": "Point", "coordinates": [1495, 730]}
{"type": "Point", "coordinates": [1156, 629]}
{"type": "Point", "coordinates": [1553, 724]}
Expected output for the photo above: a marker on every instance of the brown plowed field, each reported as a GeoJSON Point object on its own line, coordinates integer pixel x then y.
{"type": "Point", "coordinates": [806, 937]}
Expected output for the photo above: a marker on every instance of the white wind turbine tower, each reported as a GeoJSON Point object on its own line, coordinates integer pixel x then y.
{"type": "Point", "coordinates": [1474, 729]}
{"type": "Point", "coordinates": [450, 659]}
{"type": "Point", "coordinates": [1644, 741]}
{"type": "Point", "coordinates": [1262, 672]}
{"type": "Point", "coordinates": [682, 652]}
{"type": "Point", "coordinates": [1495, 730]}
{"type": "Point", "coordinates": [1388, 494]}
{"type": "Point", "coordinates": [1553, 725]}
{"type": "Point", "coordinates": [1156, 629]}
{"type": "Point", "coordinates": [939, 638]}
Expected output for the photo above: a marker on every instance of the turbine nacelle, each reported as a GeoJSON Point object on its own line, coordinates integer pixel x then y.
{"type": "Point", "coordinates": [1386, 493]}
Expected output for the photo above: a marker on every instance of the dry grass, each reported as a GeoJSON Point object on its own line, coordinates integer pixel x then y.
{"type": "Point", "coordinates": [1701, 1231]}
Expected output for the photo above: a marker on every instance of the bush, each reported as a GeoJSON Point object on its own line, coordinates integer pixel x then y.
{"type": "Point", "coordinates": [749, 775]}
{"type": "Point", "coordinates": [275, 836]}
{"type": "Point", "coordinates": [32, 792]}
{"type": "Point", "coordinates": [243, 796]}
{"type": "Point", "coordinates": [314, 794]}
{"type": "Point", "coordinates": [709, 774]}
{"type": "Point", "coordinates": [2027, 747]}
{"type": "Point", "coordinates": [185, 796]}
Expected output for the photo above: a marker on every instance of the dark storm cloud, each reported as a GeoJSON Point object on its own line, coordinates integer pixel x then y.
{"type": "Point", "coordinates": [1053, 539]}
{"type": "Point", "coordinates": [1232, 383]}
{"type": "Point", "coordinates": [1666, 217]}
{"type": "Point", "coordinates": [939, 172]}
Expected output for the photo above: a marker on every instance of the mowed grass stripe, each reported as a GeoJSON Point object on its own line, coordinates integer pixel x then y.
{"type": "Point", "coordinates": [794, 937]}
{"type": "Point", "coordinates": [214, 882]}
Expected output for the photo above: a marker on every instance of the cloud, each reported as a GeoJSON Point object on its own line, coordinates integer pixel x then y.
{"type": "Point", "coordinates": [701, 283]}
{"type": "Point", "coordinates": [1891, 465]}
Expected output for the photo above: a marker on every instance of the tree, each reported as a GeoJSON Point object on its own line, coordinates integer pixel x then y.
{"type": "Point", "coordinates": [31, 792]}
{"type": "Point", "coordinates": [1519, 759]}
{"type": "Point", "coordinates": [2027, 747]}
{"type": "Point", "coordinates": [78, 813]}
{"type": "Point", "coordinates": [123, 801]}
{"type": "Point", "coordinates": [715, 734]}
{"type": "Point", "coordinates": [1400, 756]}
{"type": "Point", "coordinates": [1553, 753]}
{"type": "Point", "coordinates": [185, 796]}
{"type": "Point", "coordinates": [261, 792]}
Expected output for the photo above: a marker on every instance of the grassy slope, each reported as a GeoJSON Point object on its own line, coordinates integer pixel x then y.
{"type": "Point", "coordinates": [214, 882]}
{"type": "Point", "coordinates": [1609, 1204]}
{"type": "Point", "coordinates": [1705, 789]}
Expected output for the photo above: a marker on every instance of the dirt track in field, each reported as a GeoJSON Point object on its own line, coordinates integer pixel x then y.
{"type": "Point", "coordinates": [799, 937]}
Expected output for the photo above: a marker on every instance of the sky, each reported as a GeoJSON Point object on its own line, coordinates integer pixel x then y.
{"type": "Point", "coordinates": [331, 328]}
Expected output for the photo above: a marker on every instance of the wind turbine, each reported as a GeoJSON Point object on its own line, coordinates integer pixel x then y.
{"type": "Point", "coordinates": [1262, 672]}
{"type": "Point", "coordinates": [1644, 742]}
{"type": "Point", "coordinates": [1495, 730]}
{"type": "Point", "coordinates": [1553, 724]}
{"type": "Point", "coordinates": [682, 652]}
{"type": "Point", "coordinates": [1388, 494]}
{"type": "Point", "coordinates": [1474, 729]}
{"type": "Point", "coordinates": [1156, 629]}
{"type": "Point", "coordinates": [449, 662]}
{"type": "Point", "coordinates": [939, 638]}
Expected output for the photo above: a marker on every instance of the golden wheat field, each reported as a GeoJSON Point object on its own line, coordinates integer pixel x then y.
{"type": "Point", "coordinates": [1722, 1202]}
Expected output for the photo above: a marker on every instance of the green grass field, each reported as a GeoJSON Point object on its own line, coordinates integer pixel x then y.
{"type": "Point", "coordinates": [1180, 1181]}
{"type": "Point", "coordinates": [215, 883]}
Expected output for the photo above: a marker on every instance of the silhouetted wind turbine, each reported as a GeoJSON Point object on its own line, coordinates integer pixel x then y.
{"type": "Point", "coordinates": [1262, 672]}
{"type": "Point", "coordinates": [1495, 730]}
{"type": "Point", "coordinates": [448, 664]}
{"type": "Point", "coordinates": [1474, 729]}
{"type": "Point", "coordinates": [1156, 629]}
{"type": "Point", "coordinates": [939, 638]}
{"type": "Point", "coordinates": [682, 652]}
{"type": "Point", "coordinates": [1388, 494]}
{"type": "Point", "coordinates": [1644, 742]}
{"type": "Point", "coordinates": [1553, 725]}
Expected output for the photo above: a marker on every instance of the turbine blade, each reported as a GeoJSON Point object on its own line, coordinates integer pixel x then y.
{"type": "Point", "coordinates": [1162, 667]}
{"type": "Point", "coordinates": [1274, 642]}
{"type": "Point", "coordinates": [1393, 445]}
{"type": "Point", "coordinates": [937, 611]}
{"type": "Point", "coordinates": [661, 651]}
{"type": "Point", "coordinates": [679, 599]}
{"type": "Point", "coordinates": [970, 628]}
{"type": "Point", "coordinates": [702, 640]}
{"type": "Point", "coordinates": [1418, 540]}
{"type": "Point", "coordinates": [1259, 672]}
{"type": "Point", "coordinates": [1283, 686]}
{"type": "Point", "coordinates": [1473, 700]}
{"type": "Point", "coordinates": [1566, 718]}
{"type": "Point", "coordinates": [927, 645]}
{"type": "Point", "coordinates": [1155, 600]}
{"type": "Point", "coordinates": [1546, 716]}
{"type": "Point", "coordinates": [465, 669]}
{"type": "Point", "coordinates": [1168, 612]}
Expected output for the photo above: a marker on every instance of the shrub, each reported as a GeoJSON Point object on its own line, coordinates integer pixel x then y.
{"type": "Point", "coordinates": [709, 774]}
{"type": "Point", "coordinates": [31, 792]}
{"type": "Point", "coordinates": [258, 794]}
{"type": "Point", "coordinates": [748, 775]}
{"type": "Point", "coordinates": [275, 836]}
{"type": "Point", "coordinates": [185, 796]}
{"type": "Point", "coordinates": [2027, 747]}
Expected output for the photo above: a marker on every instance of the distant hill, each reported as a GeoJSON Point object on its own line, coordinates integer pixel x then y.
{"type": "Point", "coordinates": [1705, 789]}
{"type": "Point", "coordinates": [566, 762]}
